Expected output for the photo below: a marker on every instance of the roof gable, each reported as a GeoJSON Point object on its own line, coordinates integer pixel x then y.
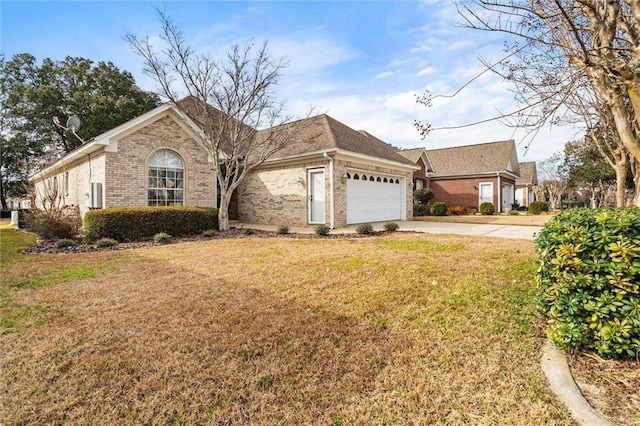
{"type": "Point", "coordinates": [490, 157]}
{"type": "Point", "coordinates": [528, 174]}
{"type": "Point", "coordinates": [415, 154]}
{"type": "Point", "coordinates": [323, 133]}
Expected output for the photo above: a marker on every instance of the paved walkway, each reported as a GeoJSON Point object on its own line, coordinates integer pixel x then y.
{"type": "Point", "coordinates": [501, 231]}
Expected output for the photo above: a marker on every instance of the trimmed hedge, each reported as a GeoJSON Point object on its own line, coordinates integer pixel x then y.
{"type": "Point", "coordinates": [439, 208]}
{"type": "Point", "coordinates": [537, 207]}
{"type": "Point", "coordinates": [589, 280]}
{"type": "Point", "coordinates": [487, 209]}
{"type": "Point", "coordinates": [139, 223]}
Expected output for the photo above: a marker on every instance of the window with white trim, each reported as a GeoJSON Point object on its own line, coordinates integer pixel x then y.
{"type": "Point", "coordinates": [166, 179]}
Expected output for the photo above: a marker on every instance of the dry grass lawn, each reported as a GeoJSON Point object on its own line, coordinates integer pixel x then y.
{"type": "Point", "coordinates": [398, 329]}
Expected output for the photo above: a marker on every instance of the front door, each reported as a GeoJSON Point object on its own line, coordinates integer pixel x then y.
{"type": "Point", "coordinates": [507, 197]}
{"type": "Point", "coordinates": [485, 191]}
{"type": "Point", "coordinates": [316, 196]}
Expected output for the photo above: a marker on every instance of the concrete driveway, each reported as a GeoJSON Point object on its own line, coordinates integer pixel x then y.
{"type": "Point", "coordinates": [501, 231]}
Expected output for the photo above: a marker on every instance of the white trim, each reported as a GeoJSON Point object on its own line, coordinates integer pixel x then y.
{"type": "Point", "coordinates": [480, 191]}
{"type": "Point", "coordinates": [332, 200]}
{"type": "Point", "coordinates": [499, 194]}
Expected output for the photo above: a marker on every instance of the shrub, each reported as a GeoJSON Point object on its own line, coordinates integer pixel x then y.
{"type": "Point", "coordinates": [487, 208]}
{"type": "Point", "coordinates": [391, 227]}
{"type": "Point", "coordinates": [248, 231]}
{"type": "Point", "coordinates": [322, 230]}
{"type": "Point", "coordinates": [538, 207]}
{"type": "Point", "coordinates": [162, 238]}
{"type": "Point", "coordinates": [54, 224]}
{"type": "Point", "coordinates": [282, 230]}
{"type": "Point", "coordinates": [439, 209]}
{"type": "Point", "coordinates": [513, 213]}
{"type": "Point", "coordinates": [364, 229]}
{"type": "Point", "coordinates": [458, 210]}
{"type": "Point", "coordinates": [589, 280]}
{"type": "Point", "coordinates": [106, 242]}
{"type": "Point", "coordinates": [473, 211]}
{"type": "Point", "coordinates": [209, 233]}
{"type": "Point", "coordinates": [423, 195]}
{"type": "Point", "coordinates": [138, 223]}
{"type": "Point", "coordinates": [65, 242]}
{"type": "Point", "coordinates": [420, 210]}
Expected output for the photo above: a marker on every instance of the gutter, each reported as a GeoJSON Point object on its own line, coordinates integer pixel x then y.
{"type": "Point", "coordinates": [332, 221]}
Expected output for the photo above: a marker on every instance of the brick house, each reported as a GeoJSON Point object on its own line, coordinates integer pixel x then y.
{"type": "Point", "coordinates": [470, 175]}
{"type": "Point", "coordinates": [525, 183]}
{"type": "Point", "coordinates": [419, 157]}
{"type": "Point", "coordinates": [331, 174]}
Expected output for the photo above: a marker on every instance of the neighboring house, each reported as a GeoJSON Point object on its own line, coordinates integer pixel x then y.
{"type": "Point", "coordinates": [331, 174]}
{"type": "Point", "coordinates": [525, 183]}
{"type": "Point", "coordinates": [419, 157]}
{"type": "Point", "coordinates": [473, 174]}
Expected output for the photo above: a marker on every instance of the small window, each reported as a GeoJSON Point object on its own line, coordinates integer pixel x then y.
{"type": "Point", "coordinates": [378, 180]}
{"type": "Point", "coordinates": [371, 178]}
{"type": "Point", "coordinates": [348, 176]}
{"type": "Point", "coordinates": [385, 180]}
{"type": "Point", "coordinates": [397, 181]}
{"type": "Point", "coordinates": [356, 177]}
{"type": "Point", "coordinates": [364, 177]}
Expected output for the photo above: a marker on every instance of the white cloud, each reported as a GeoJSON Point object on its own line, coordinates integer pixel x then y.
{"type": "Point", "coordinates": [385, 74]}
{"type": "Point", "coordinates": [425, 71]}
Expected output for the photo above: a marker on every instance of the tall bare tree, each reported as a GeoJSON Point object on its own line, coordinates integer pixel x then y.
{"type": "Point", "coordinates": [592, 41]}
{"type": "Point", "coordinates": [232, 101]}
{"type": "Point", "coordinates": [553, 179]}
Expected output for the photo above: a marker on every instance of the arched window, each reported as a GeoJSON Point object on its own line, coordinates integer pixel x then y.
{"type": "Point", "coordinates": [356, 177]}
{"type": "Point", "coordinates": [385, 180]}
{"type": "Point", "coordinates": [348, 176]}
{"type": "Point", "coordinates": [364, 177]}
{"type": "Point", "coordinates": [397, 181]}
{"type": "Point", "coordinates": [378, 179]}
{"type": "Point", "coordinates": [371, 178]}
{"type": "Point", "coordinates": [166, 179]}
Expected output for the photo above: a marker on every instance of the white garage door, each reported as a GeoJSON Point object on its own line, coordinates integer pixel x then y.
{"type": "Point", "coordinates": [374, 198]}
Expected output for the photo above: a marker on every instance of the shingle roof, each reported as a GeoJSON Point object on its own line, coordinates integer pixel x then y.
{"type": "Point", "coordinates": [412, 154]}
{"type": "Point", "coordinates": [323, 133]}
{"type": "Point", "coordinates": [490, 157]}
{"type": "Point", "coordinates": [528, 174]}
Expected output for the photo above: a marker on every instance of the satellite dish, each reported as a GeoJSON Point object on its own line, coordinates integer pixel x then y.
{"type": "Point", "coordinates": [73, 123]}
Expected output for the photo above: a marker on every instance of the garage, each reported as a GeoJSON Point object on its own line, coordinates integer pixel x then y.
{"type": "Point", "coordinates": [374, 198]}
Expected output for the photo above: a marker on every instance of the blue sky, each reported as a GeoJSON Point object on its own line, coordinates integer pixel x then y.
{"type": "Point", "coordinates": [360, 62]}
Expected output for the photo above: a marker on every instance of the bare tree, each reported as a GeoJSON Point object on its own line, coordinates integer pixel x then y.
{"type": "Point", "coordinates": [232, 101]}
{"type": "Point", "coordinates": [579, 43]}
{"type": "Point", "coordinates": [553, 179]}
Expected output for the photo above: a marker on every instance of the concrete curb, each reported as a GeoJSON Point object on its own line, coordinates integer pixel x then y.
{"type": "Point", "coordinates": [555, 367]}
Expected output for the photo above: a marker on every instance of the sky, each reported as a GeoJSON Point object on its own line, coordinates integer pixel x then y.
{"type": "Point", "coordinates": [361, 62]}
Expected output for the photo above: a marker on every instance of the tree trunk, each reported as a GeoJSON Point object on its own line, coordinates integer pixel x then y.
{"type": "Point", "coordinates": [621, 183]}
{"type": "Point", "coordinates": [223, 209]}
{"type": "Point", "coordinates": [3, 198]}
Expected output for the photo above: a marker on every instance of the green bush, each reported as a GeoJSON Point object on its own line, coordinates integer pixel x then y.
{"type": "Point", "coordinates": [209, 233]}
{"type": "Point", "coordinates": [391, 227]}
{"type": "Point", "coordinates": [139, 223]}
{"type": "Point", "coordinates": [487, 209]}
{"type": "Point", "coordinates": [54, 224]}
{"type": "Point", "coordinates": [106, 242]}
{"type": "Point", "coordinates": [420, 210]}
{"type": "Point", "coordinates": [439, 209]}
{"type": "Point", "coordinates": [473, 211]}
{"type": "Point", "coordinates": [65, 242]}
{"type": "Point", "coordinates": [282, 230]}
{"type": "Point", "coordinates": [537, 207]}
{"type": "Point", "coordinates": [589, 280]}
{"type": "Point", "coordinates": [513, 213]}
{"type": "Point", "coordinates": [364, 229]}
{"type": "Point", "coordinates": [322, 230]}
{"type": "Point", "coordinates": [248, 231]}
{"type": "Point", "coordinates": [423, 196]}
{"type": "Point", "coordinates": [162, 238]}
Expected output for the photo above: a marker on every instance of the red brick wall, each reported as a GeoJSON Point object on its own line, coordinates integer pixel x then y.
{"type": "Point", "coordinates": [464, 191]}
{"type": "Point", "coordinates": [422, 173]}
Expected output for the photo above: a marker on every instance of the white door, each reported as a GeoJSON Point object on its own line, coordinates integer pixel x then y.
{"type": "Point", "coordinates": [485, 191]}
{"type": "Point", "coordinates": [507, 197]}
{"type": "Point", "coordinates": [316, 196]}
{"type": "Point", "coordinates": [375, 198]}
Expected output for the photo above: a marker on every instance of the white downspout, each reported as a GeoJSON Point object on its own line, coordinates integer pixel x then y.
{"type": "Point", "coordinates": [332, 221]}
{"type": "Point", "coordinates": [499, 194]}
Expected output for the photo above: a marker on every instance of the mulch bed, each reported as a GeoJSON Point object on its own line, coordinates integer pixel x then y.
{"type": "Point", "coordinates": [50, 247]}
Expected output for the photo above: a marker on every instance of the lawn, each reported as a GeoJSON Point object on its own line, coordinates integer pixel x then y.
{"type": "Point", "coordinates": [393, 329]}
